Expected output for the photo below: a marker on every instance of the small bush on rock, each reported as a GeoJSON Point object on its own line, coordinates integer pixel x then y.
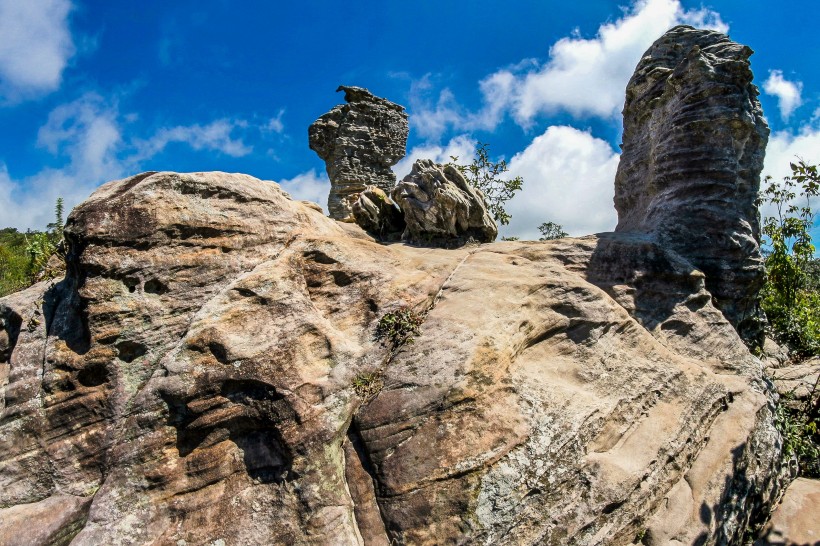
{"type": "Point", "coordinates": [399, 327]}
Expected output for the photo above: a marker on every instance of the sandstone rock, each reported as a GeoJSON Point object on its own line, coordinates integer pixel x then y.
{"type": "Point", "coordinates": [439, 204]}
{"type": "Point", "coordinates": [194, 376]}
{"type": "Point", "coordinates": [359, 142]}
{"type": "Point", "coordinates": [377, 213]}
{"type": "Point", "coordinates": [693, 147]}
{"type": "Point", "coordinates": [796, 521]}
{"type": "Point", "coordinates": [796, 381]}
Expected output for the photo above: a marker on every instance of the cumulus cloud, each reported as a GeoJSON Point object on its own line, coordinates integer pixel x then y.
{"type": "Point", "coordinates": [787, 93]}
{"type": "Point", "coordinates": [86, 137]}
{"type": "Point", "coordinates": [86, 134]}
{"type": "Point", "coordinates": [581, 76]}
{"type": "Point", "coordinates": [568, 179]}
{"type": "Point", "coordinates": [462, 147]}
{"type": "Point", "coordinates": [308, 186]}
{"type": "Point", "coordinates": [216, 136]}
{"type": "Point", "coordinates": [786, 147]}
{"type": "Point", "coordinates": [35, 46]}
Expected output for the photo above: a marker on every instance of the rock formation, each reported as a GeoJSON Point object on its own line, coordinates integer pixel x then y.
{"type": "Point", "coordinates": [207, 372]}
{"type": "Point", "coordinates": [200, 380]}
{"type": "Point", "coordinates": [693, 146]}
{"type": "Point", "coordinates": [377, 213]}
{"type": "Point", "coordinates": [359, 142]}
{"type": "Point", "coordinates": [439, 204]}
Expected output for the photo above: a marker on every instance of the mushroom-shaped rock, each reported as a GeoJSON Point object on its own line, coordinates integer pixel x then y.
{"type": "Point", "coordinates": [359, 142]}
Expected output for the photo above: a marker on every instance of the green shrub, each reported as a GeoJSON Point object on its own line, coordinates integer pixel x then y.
{"type": "Point", "coordinates": [790, 295]}
{"type": "Point", "coordinates": [800, 427]}
{"type": "Point", "coordinates": [484, 175]}
{"type": "Point", "coordinates": [399, 327]}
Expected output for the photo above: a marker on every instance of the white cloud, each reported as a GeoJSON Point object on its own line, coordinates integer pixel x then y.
{"type": "Point", "coordinates": [786, 147]}
{"type": "Point", "coordinates": [568, 179]}
{"type": "Point", "coordinates": [86, 132]}
{"type": "Point", "coordinates": [308, 186]}
{"type": "Point", "coordinates": [275, 124]}
{"type": "Point", "coordinates": [86, 135]}
{"type": "Point", "coordinates": [35, 46]}
{"type": "Point", "coordinates": [582, 76]}
{"type": "Point", "coordinates": [787, 92]}
{"type": "Point", "coordinates": [215, 136]}
{"type": "Point", "coordinates": [461, 146]}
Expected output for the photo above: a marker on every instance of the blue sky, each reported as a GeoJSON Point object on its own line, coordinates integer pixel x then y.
{"type": "Point", "coordinates": [97, 90]}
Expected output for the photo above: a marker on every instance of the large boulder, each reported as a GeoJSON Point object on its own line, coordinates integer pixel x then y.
{"type": "Point", "coordinates": [207, 372]}
{"type": "Point", "coordinates": [359, 142]}
{"type": "Point", "coordinates": [693, 146]}
{"type": "Point", "coordinates": [440, 206]}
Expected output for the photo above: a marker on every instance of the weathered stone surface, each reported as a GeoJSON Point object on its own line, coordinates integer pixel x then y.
{"type": "Point", "coordinates": [796, 521]}
{"type": "Point", "coordinates": [194, 376]}
{"type": "Point", "coordinates": [693, 147]}
{"type": "Point", "coordinates": [795, 382]}
{"type": "Point", "coordinates": [359, 142]}
{"type": "Point", "coordinates": [439, 204]}
{"type": "Point", "coordinates": [377, 213]}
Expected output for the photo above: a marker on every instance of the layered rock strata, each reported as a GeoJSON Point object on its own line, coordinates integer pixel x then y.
{"type": "Point", "coordinates": [439, 205]}
{"type": "Point", "coordinates": [693, 147]}
{"type": "Point", "coordinates": [359, 142]}
{"type": "Point", "coordinates": [207, 372]}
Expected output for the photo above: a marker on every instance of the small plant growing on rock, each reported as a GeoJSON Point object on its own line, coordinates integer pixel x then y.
{"type": "Point", "coordinates": [399, 327]}
{"type": "Point", "coordinates": [485, 175]}
{"type": "Point", "coordinates": [550, 231]}
{"type": "Point", "coordinates": [367, 385]}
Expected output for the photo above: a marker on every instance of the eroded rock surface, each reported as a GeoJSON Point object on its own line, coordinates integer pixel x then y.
{"type": "Point", "coordinates": [796, 520]}
{"type": "Point", "coordinates": [377, 213]}
{"type": "Point", "coordinates": [359, 142]}
{"type": "Point", "coordinates": [194, 378]}
{"type": "Point", "coordinates": [693, 147]}
{"type": "Point", "coordinates": [439, 205]}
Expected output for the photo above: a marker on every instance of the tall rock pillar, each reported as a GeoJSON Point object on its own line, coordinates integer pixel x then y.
{"type": "Point", "coordinates": [693, 146]}
{"type": "Point", "coordinates": [359, 142]}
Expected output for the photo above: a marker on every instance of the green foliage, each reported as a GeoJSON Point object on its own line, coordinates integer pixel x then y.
{"type": "Point", "coordinates": [367, 385]}
{"type": "Point", "coordinates": [484, 174]}
{"type": "Point", "coordinates": [790, 296]}
{"type": "Point", "coordinates": [23, 256]}
{"type": "Point", "coordinates": [800, 427]}
{"type": "Point", "coordinates": [39, 248]}
{"type": "Point", "coordinates": [13, 262]}
{"type": "Point", "coordinates": [509, 238]}
{"type": "Point", "coordinates": [550, 231]}
{"type": "Point", "coordinates": [399, 327]}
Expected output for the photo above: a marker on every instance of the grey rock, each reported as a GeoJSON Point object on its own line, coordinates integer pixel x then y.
{"type": "Point", "coordinates": [377, 213]}
{"type": "Point", "coordinates": [359, 142]}
{"type": "Point", "coordinates": [439, 204]}
{"type": "Point", "coordinates": [693, 147]}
